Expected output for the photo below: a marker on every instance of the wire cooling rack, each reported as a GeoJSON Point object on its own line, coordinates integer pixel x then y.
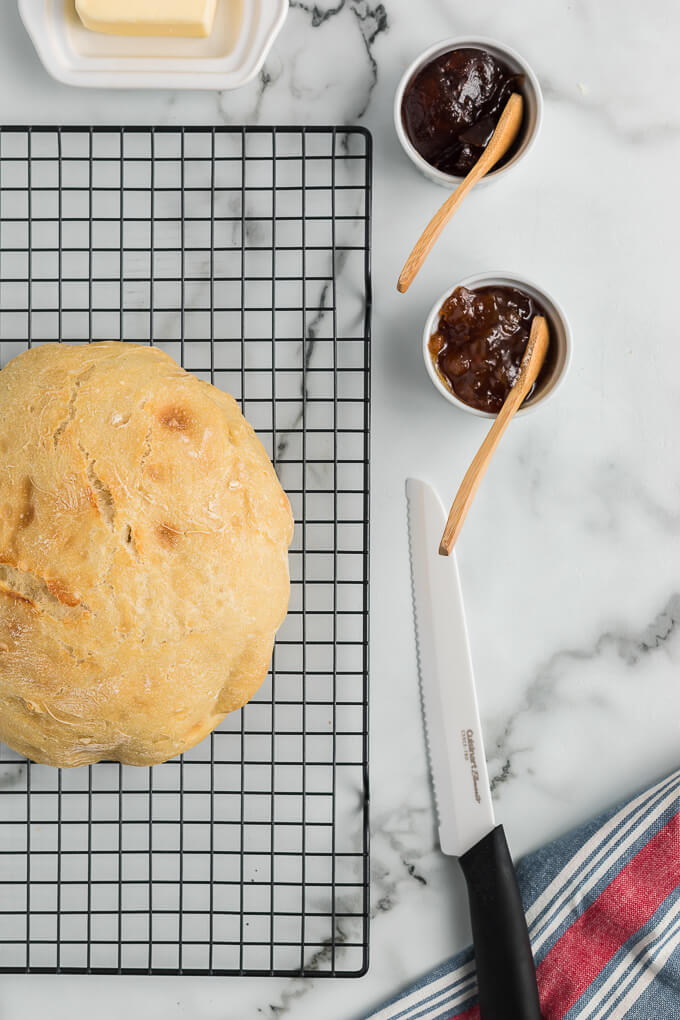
{"type": "Point", "coordinates": [245, 254]}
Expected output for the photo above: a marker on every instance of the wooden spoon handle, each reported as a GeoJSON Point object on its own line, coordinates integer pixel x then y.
{"type": "Point", "coordinates": [426, 241]}
{"type": "Point", "coordinates": [506, 131]}
{"type": "Point", "coordinates": [475, 473]}
{"type": "Point", "coordinates": [533, 359]}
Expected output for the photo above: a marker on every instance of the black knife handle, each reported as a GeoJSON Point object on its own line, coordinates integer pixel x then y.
{"type": "Point", "coordinates": [506, 974]}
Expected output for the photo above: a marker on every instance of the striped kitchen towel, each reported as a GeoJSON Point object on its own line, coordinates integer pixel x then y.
{"type": "Point", "coordinates": [603, 909]}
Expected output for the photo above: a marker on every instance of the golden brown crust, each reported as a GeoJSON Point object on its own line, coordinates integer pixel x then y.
{"type": "Point", "coordinates": [143, 555]}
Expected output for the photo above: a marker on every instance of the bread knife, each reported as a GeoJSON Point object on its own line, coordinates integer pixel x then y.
{"type": "Point", "coordinates": [506, 974]}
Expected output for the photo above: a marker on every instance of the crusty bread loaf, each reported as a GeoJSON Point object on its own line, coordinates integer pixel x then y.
{"type": "Point", "coordinates": [143, 555]}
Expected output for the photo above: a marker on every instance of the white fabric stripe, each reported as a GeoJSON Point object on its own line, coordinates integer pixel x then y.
{"type": "Point", "coordinates": [413, 1002]}
{"type": "Point", "coordinates": [442, 1002]}
{"type": "Point", "coordinates": [461, 994]}
{"type": "Point", "coordinates": [650, 972]}
{"type": "Point", "coordinates": [603, 861]}
{"type": "Point", "coordinates": [591, 876]}
{"type": "Point", "coordinates": [445, 999]}
{"type": "Point", "coordinates": [599, 838]}
{"type": "Point", "coordinates": [636, 966]}
{"type": "Point", "coordinates": [633, 962]}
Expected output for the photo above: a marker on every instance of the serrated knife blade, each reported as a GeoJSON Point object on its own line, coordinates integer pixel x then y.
{"type": "Point", "coordinates": [506, 976]}
{"type": "Point", "coordinates": [454, 735]}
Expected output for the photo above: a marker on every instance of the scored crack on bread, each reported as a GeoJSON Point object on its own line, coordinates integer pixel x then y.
{"type": "Point", "coordinates": [143, 555]}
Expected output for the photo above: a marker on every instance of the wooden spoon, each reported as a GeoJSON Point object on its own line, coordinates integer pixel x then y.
{"type": "Point", "coordinates": [531, 365]}
{"type": "Point", "coordinates": [505, 134]}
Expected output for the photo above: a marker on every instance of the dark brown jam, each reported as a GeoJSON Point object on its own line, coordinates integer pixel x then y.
{"type": "Point", "coordinates": [451, 107]}
{"type": "Point", "coordinates": [480, 341]}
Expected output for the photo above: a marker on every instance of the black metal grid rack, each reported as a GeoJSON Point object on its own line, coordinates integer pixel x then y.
{"type": "Point", "coordinates": [245, 254]}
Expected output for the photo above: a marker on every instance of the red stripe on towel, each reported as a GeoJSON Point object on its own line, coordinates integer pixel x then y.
{"type": "Point", "coordinates": [621, 909]}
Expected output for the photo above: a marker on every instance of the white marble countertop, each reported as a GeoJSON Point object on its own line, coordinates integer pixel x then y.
{"type": "Point", "coordinates": [570, 561]}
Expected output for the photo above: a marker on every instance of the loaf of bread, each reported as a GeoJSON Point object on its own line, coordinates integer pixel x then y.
{"type": "Point", "coordinates": [143, 555]}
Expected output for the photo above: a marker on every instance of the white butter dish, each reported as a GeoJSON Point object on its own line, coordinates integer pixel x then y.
{"type": "Point", "coordinates": [228, 58]}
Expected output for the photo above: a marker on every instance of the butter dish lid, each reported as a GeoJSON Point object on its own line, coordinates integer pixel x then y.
{"type": "Point", "coordinates": [228, 58]}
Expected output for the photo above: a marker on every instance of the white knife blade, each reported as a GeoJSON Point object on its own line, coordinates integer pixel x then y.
{"type": "Point", "coordinates": [454, 735]}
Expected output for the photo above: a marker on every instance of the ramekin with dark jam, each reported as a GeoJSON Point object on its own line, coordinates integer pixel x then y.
{"type": "Point", "coordinates": [452, 105]}
{"type": "Point", "coordinates": [480, 340]}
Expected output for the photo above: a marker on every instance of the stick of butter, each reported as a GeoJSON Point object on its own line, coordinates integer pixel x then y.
{"type": "Point", "coordinates": [148, 17]}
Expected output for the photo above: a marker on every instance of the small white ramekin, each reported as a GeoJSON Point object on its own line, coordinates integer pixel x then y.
{"type": "Point", "coordinates": [531, 93]}
{"type": "Point", "coordinates": [560, 340]}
